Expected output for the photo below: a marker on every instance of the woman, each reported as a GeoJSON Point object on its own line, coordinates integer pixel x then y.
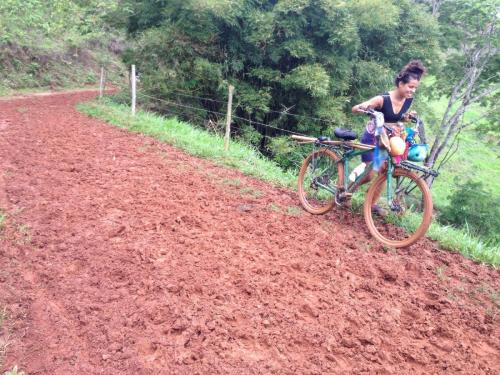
{"type": "Point", "coordinates": [394, 105]}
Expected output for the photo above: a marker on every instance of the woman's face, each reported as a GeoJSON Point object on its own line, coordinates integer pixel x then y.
{"type": "Point", "coordinates": [408, 89]}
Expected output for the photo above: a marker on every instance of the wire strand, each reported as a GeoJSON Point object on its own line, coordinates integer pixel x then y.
{"type": "Point", "coordinates": [199, 97]}
{"type": "Point", "coordinates": [296, 115]}
{"type": "Point", "coordinates": [180, 105]}
{"type": "Point", "coordinates": [281, 113]}
{"type": "Point", "coordinates": [219, 113]}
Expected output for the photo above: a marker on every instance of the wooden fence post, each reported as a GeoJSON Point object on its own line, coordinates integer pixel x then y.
{"type": "Point", "coordinates": [132, 78]}
{"type": "Point", "coordinates": [101, 85]}
{"type": "Point", "coordinates": [228, 118]}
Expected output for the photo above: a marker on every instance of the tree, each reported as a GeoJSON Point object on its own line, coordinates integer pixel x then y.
{"type": "Point", "coordinates": [471, 72]}
{"type": "Point", "coordinates": [434, 5]}
{"type": "Point", "coordinates": [312, 58]}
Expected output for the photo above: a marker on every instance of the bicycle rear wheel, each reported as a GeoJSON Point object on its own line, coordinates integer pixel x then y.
{"type": "Point", "coordinates": [319, 178]}
{"type": "Point", "coordinates": [404, 219]}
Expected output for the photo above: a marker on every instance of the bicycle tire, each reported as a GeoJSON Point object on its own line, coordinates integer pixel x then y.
{"type": "Point", "coordinates": [324, 166]}
{"type": "Point", "coordinates": [409, 213]}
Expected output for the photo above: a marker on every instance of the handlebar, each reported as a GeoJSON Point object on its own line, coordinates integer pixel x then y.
{"type": "Point", "coordinates": [368, 111]}
{"type": "Point", "coordinates": [371, 112]}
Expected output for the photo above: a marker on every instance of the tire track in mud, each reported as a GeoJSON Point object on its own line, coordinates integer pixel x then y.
{"type": "Point", "coordinates": [123, 255]}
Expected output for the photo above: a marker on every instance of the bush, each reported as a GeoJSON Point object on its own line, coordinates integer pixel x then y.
{"type": "Point", "coordinates": [287, 153]}
{"type": "Point", "coordinates": [474, 208]}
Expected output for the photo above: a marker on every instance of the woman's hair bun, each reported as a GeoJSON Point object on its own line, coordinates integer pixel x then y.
{"type": "Point", "coordinates": [413, 70]}
{"type": "Point", "coordinates": [415, 67]}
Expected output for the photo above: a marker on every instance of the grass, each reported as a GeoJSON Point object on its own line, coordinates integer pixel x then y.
{"type": "Point", "coordinates": [206, 145]}
{"type": "Point", "coordinates": [441, 272]}
{"type": "Point", "coordinates": [4, 342]}
{"type": "Point", "coordinates": [3, 219]}
{"type": "Point", "coordinates": [475, 158]}
{"type": "Point", "coordinates": [193, 140]}
{"type": "Point", "coordinates": [456, 239]}
{"type": "Point", "coordinates": [15, 371]}
{"type": "Point", "coordinates": [24, 231]}
{"type": "Point", "coordinates": [3, 317]}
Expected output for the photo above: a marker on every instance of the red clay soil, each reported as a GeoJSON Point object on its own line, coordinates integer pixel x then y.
{"type": "Point", "coordinates": [122, 255]}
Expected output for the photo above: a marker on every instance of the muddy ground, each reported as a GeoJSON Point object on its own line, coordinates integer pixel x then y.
{"type": "Point", "coordinates": [122, 255]}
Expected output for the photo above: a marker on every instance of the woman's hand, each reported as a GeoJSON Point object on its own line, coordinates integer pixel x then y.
{"type": "Point", "coordinates": [359, 109]}
{"type": "Point", "coordinates": [408, 116]}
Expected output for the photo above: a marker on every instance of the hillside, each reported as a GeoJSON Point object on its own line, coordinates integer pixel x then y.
{"type": "Point", "coordinates": [120, 254]}
{"type": "Point", "coordinates": [58, 46]}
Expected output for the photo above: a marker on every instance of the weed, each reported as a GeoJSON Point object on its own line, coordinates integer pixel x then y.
{"type": "Point", "coordinates": [4, 339]}
{"type": "Point", "coordinates": [163, 155]}
{"type": "Point", "coordinates": [23, 228]}
{"type": "Point", "coordinates": [90, 78]}
{"type": "Point", "coordinates": [388, 249]}
{"type": "Point", "coordinates": [365, 246]}
{"type": "Point", "coordinates": [495, 298]}
{"type": "Point", "coordinates": [440, 272]}
{"type": "Point", "coordinates": [22, 109]}
{"type": "Point", "coordinates": [251, 191]}
{"type": "Point", "coordinates": [16, 211]}
{"type": "Point", "coordinates": [452, 297]}
{"type": "Point", "coordinates": [15, 371]}
{"type": "Point", "coordinates": [25, 231]}
{"type": "Point", "coordinates": [8, 173]}
{"type": "Point", "coordinates": [232, 182]}
{"type": "Point", "coordinates": [294, 211]}
{"type": "Point", "coordinates": [3, 219]}
{"type": "Point", "coordinates": [492, 312]}
{"type": "Point", "coordinates": [3, 316]}
{"type": "Point", "coordinates": [274, 207]}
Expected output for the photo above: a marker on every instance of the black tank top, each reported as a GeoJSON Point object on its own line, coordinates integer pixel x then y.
{"type": "Point", "coordinates": [388, 112]}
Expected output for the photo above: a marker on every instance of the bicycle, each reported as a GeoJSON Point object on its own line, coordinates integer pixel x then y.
{"type": "Point", "coordinates": [400, 188]}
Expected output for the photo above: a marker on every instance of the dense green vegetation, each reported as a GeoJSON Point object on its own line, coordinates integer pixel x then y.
{"type": "Point", "coordinates": [474, 207]}
{"type": "Point", "coordinates": [312, 58]}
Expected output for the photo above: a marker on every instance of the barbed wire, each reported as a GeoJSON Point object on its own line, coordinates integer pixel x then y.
{"type": "Point", "coordinates": [198, 97]}
{"type": "Point", "coordinates": [281, 113]}
{"type": "Point", "coordinates": [302, 116]}
{"type": "Point", "coordinates": [179, 105]}
{"type": "Point", "coordinates": [219, 113]}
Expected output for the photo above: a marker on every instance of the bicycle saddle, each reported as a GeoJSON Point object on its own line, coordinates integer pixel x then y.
{"type": "Point", "coordinates": [345, 134]}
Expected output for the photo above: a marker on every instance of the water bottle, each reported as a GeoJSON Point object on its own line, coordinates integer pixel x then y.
{"type": "Point", "coordinates": [357, 171]}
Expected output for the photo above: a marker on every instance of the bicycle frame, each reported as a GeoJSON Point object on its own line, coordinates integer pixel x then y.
{"type": "Point", "coordinates": [347, 153]}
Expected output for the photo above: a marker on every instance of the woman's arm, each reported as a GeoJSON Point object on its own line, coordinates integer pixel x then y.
{"type": "Point", "coordinates": [374, 103]}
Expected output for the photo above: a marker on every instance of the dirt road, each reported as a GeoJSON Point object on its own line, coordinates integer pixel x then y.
{"type": "Point", "coordinates": [121, 255]}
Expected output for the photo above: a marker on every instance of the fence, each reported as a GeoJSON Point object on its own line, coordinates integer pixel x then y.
{"type": "Point", "coordinates": [228, 117]}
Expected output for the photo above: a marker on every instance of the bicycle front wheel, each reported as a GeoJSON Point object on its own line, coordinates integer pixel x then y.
{"type": "Point", "coordinates": [320, 177]}
{"type": "Point", "coordinates": [399, 213]}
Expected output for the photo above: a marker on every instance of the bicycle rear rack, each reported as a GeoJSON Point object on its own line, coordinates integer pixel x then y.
{"type": "Point", "coordinates": [414, 167]}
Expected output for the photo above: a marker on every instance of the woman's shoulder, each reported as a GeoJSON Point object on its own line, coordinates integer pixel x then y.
{"type": "Point", "coordinates": [378, 101]}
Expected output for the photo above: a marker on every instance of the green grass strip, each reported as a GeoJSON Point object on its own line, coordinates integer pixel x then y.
{"type": "Point", "coordinates": [3, 218]}
{"type": "Point", "coordinates": [456, 239]}
{"type": "Point", "coordinates": [210, 146]}
{"type": "Point", "coordinates": [193, 140]}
